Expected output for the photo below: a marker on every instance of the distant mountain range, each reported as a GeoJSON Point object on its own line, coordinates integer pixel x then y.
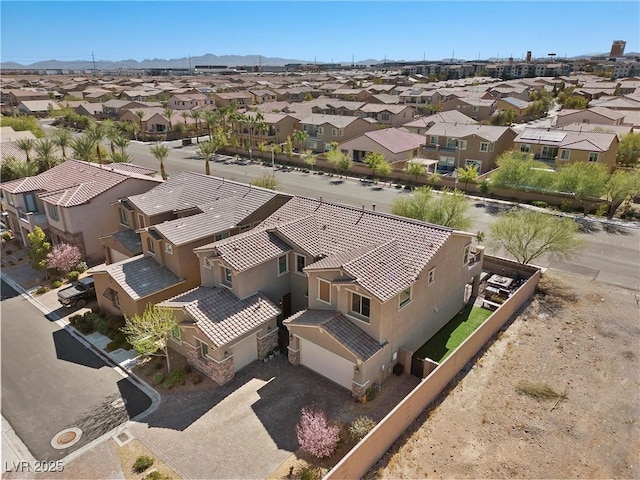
{"type": "Point", "coordinates": [185, 62]}
{"type": "Point", "coordinates": [210, 59]}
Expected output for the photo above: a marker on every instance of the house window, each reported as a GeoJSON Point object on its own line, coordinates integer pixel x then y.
{"type": "Point", "coordinates": [244, 228]}
{"type": "Point", "coordinates": [175, 332]}
{"type": "Point", "coordinates": [141, 221]}
{"type": "Point", "coordinates": [564, 155]}
{"type": "Point", "coordinates": [467, 251]}
{"type": "Point", "coordinates": [475, 108]}
{"type": "Point", "coordinates": [340, 132]}
{"type": "Point", "coordinates": [320, 131]}
{"type": "Point", "coordinates": [150, 248]}
{"type": "Point", "coordinates": [204, 349]}
{"type": "Point", "coordinates": [491, 146]}
{"type": "Point", "coordinates": [301, 262]}
{"type": "Point", "coordinates": [207, 263]}
{"type": "Point", "coordinates": [360, 305]}
{"type": "Point", "coordinates": [227, 278]}
{"type": "Point", "coordinates": [549, 153]}
{"type": "Point", "coordinates": [124, 217]}
{"type": "Point", "coordinates": [431, 276]}
{"type": "Point", "coordinates": [53, 211]}
{"type": "Point", "coordinates": [221, 236]}
{"type": "Point", "coordinates": [283, 265]}
{"type": "Point", "coordinates": [462, 144]}
{"type": "Point", "coordinates": [484, 147]}
{"type": "Point", "coordinates": [433, 140]}
{"type": "Point", "coordinates": [304, 128]}
{"type": "Point", "coordinates": [9, 198]}
{"type": "Point", "coordinates": [324, 291]}
{"type": "Point", "coordinates": [525, 148]}
{"type": "Point", "coordinates": [593, 156]}
{"type": "Point", "coordinates": [168, 248]}
{"type": "Point", "coordinates": [385, 117]}
{"type": "Point", "coordinates": [405, 297]}
{"type": "Point", "coordinates": [334, 132]}
{"type": "Point", "coordinates": [452, 143]}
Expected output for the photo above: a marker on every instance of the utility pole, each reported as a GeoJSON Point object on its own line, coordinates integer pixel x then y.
{"type": "Point", "coordinates": [189, 63]}
{"type": "Point", "coordinates": [95, 73]}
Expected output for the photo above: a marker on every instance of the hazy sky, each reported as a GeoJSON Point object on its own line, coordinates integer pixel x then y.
{"type": "Point", "coordinates": [325, 31]}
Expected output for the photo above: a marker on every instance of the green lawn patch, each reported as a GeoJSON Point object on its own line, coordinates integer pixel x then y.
{"type": "Point", "coordinates": [440, 346]}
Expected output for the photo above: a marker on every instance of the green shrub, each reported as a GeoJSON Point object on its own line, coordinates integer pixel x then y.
{"type": "Point", "coordinates": [142, 463]}
{"type": "Point", "coordinates": [158, 365]}
{"type": "Point", "coordinates": [84, 326]}
{"type": "Point", "coordinates": [565, 205]}
{"type": "Point", "coordinates": [126, 345]}
{"type": "Point", "coordinates": [360, 427]}
{"type": "Point", "coordinates": [81, 267]}
{"type": "Point", "coordinates": [539, 203]}
{"type": "Point", "coordinates": [6, 236]}
{"type": "Point", "coordinates": [158, 378]}
{"type": "Point", "coordinates": [309, 473]}
{"type": "Point", "coordinates": [73, 275]}
{"type": "Point", "coordinates": [111, 346]}
{"type": "Point", "coordinates": [53, 278]}
{"type": "Point", "coordinates": [74, 319]}
{"type": "Point", "coordinates": [176, 377]}
{"type": "Point", "coordinates": [116, 323]}
{"type": "Point", "coordinates": [56, 284]}
{"type": "Point", "coordinates": [41, 289]}
{"type": "Point", "coordinates": [156, 475]}
{"type": "Point", "coordinates": [371, 393]}
{"type": "Point", "coordinates": [101, 325]}
{"type": "Point", "coordinates": [96, 309]}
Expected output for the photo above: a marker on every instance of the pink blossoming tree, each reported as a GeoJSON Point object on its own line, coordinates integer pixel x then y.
{"type": "Point", "coordinates": [315, 435]}
{"type": "Point", "coordinates": [63, 257]}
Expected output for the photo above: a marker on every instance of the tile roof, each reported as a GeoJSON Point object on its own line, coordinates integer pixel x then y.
{"type": "Point", "coordinates": [222, 316]}
{"type": "Point", "coordinates": [190, 189]}
{"type": "Point", "coordinates": [488, 132]}
{"type": "Point", "coordinates": [10, 149]}
{"type": "Point", "coordinates": [324, 229]}
{"type": "Point", "coordinates": [396, 140]}
{"type": "Point", "coordinates": [570, 140]}
{"type": "Point", "coordinates": [516, 102]}
{"type": "Point", "coordinates": [8, 134]}
{"type": "Point", "coordinates": [620, 130]}
{"type": "Point", "coordinates": [337, 121]}
{"type": "Point", "coordinates": [450, 116]}
{"type": "Point", "coordinates": [381, 107]}
{"type": "Point", "coordinates": [218, 216]}
{"type": "Point", "coordinates": [340, 328]}
{"type": "Point", "coordinates": [130, 240]}
{"type": "Point", "coordinates": [73, 182]}
{"type": "Point", "coordinates": [141, 276]}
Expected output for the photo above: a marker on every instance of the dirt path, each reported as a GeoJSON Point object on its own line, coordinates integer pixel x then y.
{"type": "Point", "coordinates": [581, 339]}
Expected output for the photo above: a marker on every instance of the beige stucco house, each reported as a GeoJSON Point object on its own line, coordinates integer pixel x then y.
{"type": "Point", "coordinates": [477, 108]}
{"type": "Point", "coordinates": [325, 129]}
{"type": "Point", "coordinates": [396, 144]}
{"type": "Point", "coordinates": [389, 115]}
{"type": "Point", "coordinates": [354, 286]}
{"type": "Point", "coordinates": [456, 146]}
{"type": "Point", "coordinates": [558, 147]}
{"type": "Point", "coordinates": [593, 115]}
{"type": "Point", "coordinates": [150, 258]}
{"type": "Point", "coordinates": [64, 200]}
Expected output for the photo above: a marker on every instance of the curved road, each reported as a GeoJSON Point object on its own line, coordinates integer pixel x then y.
{"type": "Point", "coordinates": [611, 253]}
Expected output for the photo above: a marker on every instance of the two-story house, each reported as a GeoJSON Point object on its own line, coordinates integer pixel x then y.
{"type": "Point", "coordinates": [421, 124]}
{"type": "Point", "coordinates": [153, 250]}
{"type": "Point", "coordinates": [558, 147]}
{"type": "Point", "coordinates": [227, 99]}
{"type": "Point", "coordinates": [477, 108]}
{"type": "Point", "coordinates": [64, 200]}
{"type": "Point", "coordinates": [389, 115]}
{"type": "Point", "coordinates": [456, 146]}
{"type": "Point", "coordinates": [189, 101]}
{"type": "Point", "coordinates": [277, 127]}
{"type": "Point", "coordinates": [325, 129]}
{"type": "Point", "coordinates": [593, 115]}
{"type": "Point", "coordinates": [354, 287]}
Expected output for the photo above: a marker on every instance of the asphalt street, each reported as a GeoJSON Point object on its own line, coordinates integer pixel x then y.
{"type": "Point", "coordinates": [52, 382]}
{"type": "Point", "coordinates": [611, 253]}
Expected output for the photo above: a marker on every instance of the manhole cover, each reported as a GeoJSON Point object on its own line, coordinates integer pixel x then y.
{"type": "Point", "coordinates": [66, 438]}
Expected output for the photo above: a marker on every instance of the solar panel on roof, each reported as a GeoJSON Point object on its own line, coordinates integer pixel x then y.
{"type": "Point", "coordinates": [544, 136]}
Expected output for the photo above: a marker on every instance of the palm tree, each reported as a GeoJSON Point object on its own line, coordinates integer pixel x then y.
{"type": "Point", "coordinates": [160, 152]}
{"type": "Point", "coordinates": [300, 136]}
{"type": "Point", "coordinates": [63, 138]}
{"type": "Point", "coordinates": [185, 114]}
{"type": "Point", "coordinates": [111, 131]}
{"type": "Point", "coordinates": [206, 149]}
{"type": "Point", "coordinates": [121, 156]}
{"type": "Point", "coordinates": [45, 153]}
{"type": "Point", "coordinates": [96, 133]}
{"type": "Point", "coordinates": [121, 142]}
{"type": "Point", "coordinates": [140, 115]}
{"type": "Point", "coordinates": [26, 145]}
{"type": "Point", "coordinates": [23, 169]}
{"type": "Point", "coordinates": [83, 147]}
{"type": "Point", "coordinates": [197, 116]}
{"type": "Point", "coordinates": [168, 113]}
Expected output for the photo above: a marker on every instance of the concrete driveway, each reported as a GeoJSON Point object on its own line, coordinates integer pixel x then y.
{"type": "Point", "coordinates": [246, 429]}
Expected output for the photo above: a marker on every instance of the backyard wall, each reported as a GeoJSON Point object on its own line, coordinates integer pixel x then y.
{"type": "Point", "coordinates": [371, 448]}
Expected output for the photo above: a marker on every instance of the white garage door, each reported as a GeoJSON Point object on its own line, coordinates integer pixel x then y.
{"type": "Point", "coordinates": [245, 352]}
{"type": "Point", "coordinates": [326, 363]}
{"type": "Point", "coordinates": [116, 256]}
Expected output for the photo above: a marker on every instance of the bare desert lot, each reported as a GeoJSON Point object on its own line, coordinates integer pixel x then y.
{"type": "Point", "coordinates": [555, 396]}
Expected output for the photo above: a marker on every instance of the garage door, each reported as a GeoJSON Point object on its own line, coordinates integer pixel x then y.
{"type": "Point", "coordinates": [245, 352]}
{"type": "Point", "coordinates": [326, 363]}
{"type": "Point", "coordinates": [116, 256]}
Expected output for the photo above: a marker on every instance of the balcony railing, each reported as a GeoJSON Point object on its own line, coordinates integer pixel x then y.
{"type": "Point", "coordinates": [33, 219]}
{"type": "Point", "coordinates": [440, 149]}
